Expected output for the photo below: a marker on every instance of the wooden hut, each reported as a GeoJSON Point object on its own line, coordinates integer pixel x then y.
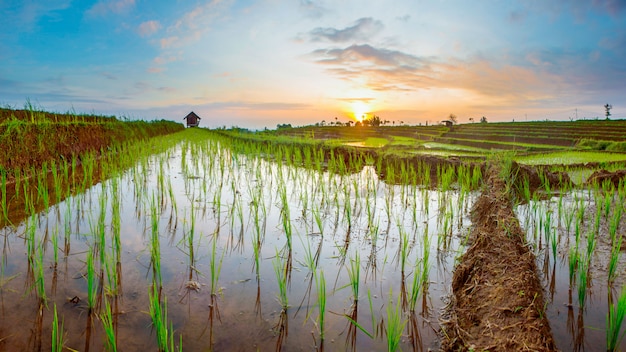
{"type": "Point", "coordinates": [193, 120]}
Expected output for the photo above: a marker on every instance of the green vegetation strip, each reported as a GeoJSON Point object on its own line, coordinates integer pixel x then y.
{"type": "Point", "coordinates": [569, 157]}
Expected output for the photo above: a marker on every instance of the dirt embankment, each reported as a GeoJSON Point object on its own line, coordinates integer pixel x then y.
{"type": "Point", "coordinates": [497, 301]}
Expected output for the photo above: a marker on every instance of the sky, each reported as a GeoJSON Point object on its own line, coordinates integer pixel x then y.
{"type": "Point", "coordinates": [261, 63]}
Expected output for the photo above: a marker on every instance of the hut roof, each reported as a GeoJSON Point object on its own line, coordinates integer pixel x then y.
{"type": "Point", "coordinates": [192, 115]}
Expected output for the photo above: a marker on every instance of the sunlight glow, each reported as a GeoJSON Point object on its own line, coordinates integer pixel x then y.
{"type": "Point", "coordinates": [360, 110]}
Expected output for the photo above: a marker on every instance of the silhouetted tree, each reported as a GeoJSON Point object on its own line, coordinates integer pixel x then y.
{"type": "Point", "coordinates": [607, 110]}
{"type": "Point", "coordinates": [453, 118]}
{"type": "Point", "coordinates": [483, 119]}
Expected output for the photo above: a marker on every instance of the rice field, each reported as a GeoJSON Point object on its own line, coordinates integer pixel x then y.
{"type": "Point", "coordinates": [205, 241]}
{"type": "Point", "coordinates": [208, 243]}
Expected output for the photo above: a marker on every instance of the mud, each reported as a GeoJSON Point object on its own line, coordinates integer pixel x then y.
{"type": "Point", "coordinates": [602, 176]}
{"type": "Point", "coordinates": [497, 302]}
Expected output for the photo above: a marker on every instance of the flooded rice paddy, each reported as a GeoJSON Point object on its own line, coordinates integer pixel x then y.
{"type": "Point", "coordinates": [576, 237]}
{"type": "Point", "coordinates": [208, 249]}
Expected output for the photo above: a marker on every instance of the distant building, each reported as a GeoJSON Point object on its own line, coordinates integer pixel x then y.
{"type": "Point", "coordinates": [447, 123]}
{"type": "Point", "coordinates": [193, 120]}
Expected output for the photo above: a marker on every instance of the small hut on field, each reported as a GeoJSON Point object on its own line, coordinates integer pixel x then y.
{"type": "Point", "coordinates": [447, 123]}
{"type": "Point", "coordinates": [193, 120]}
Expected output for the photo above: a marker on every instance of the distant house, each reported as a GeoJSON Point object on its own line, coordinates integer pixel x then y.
{"type": "Point", "coordinates": [447, 123]}
{"type": "Point", "coordinates": [193, 120]}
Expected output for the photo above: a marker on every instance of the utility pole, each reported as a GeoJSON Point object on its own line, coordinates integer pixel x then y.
{"type": "Point", "coordinates": [576, 113]}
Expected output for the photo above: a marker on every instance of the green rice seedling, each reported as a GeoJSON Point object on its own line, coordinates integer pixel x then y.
{"type": "Point", "coordinates": [404, 245]}
{"type": "Point", "coordinates": [39, 272]}
{"type": "Point", "coordinates": [109, 330]}
{"type": "Point", "coordinates": [92, 284]}
{"type": "Point", "coordinates": [58, 333]}
{"type": "Point", "coordinates": [281, 279]}
{"type": "Point", "coordinates": [614, 320]}
{"type": "Point", "coordinates": [416, 285]}
{"type": "Point", "coordinates": [3, 189]}
{"type": "Point", "coordinates": [395, 324]}
{"type": "Point", "coordinates": [318, 220]}
{"type": "Point", "coordinates": [425, 270]}
{"type": "Point", "coordinates": [320, 283]}
{"type": "Point", "coordinates": [583, 267]}
{"type": "Point", "coordinates": [573, 260]}
{"type": "Point", "coordinates": [215, 266]}
{"type": "Point", "coordinates": [354, 274]}
{"type": "Point", "coordinates": [158, 312]}
{"type": "Point", "coordinates": [155, 245]}
{"type": "Point", "coordinates": [616, 250]}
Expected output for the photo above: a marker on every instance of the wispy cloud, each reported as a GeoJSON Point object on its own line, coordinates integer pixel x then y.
{"type": "Point", "coordinates": [148, 28]}
{"type": "Point", "coordinates": [388, 70]}
{"type": "Point", "coordinates": [363, 29]}
{"type": "Point", "coordinates": [104, 7]}
{"type": "Point", "coordinates": [312, 8]}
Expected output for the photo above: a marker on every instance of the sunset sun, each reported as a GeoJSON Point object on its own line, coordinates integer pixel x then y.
{"type": "Point", "coordinates": [360, 110]}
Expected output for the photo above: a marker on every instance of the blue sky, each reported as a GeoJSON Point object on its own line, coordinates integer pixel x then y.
{"type": "Point", "coordinates": [260, 63]}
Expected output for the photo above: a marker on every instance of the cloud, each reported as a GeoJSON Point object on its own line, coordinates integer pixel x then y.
{"type": "Point", "coordinates": [148, 28]}
{"type": "Point", "coordinates": [363, 29]}
{"type": "Point", "coordinates": [104, 7]}
{"type": "Point", "coordinates": [24, 15]}
{"type": "Point", "coordinates": [386, 70]}
{"type": "Point", "coordinates": [168, 42]}
{"type": "Point", "coordinates": [517, 16]}
{"type": "Point", "coordinates": [312, 9]}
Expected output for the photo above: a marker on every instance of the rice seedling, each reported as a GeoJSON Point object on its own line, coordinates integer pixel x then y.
{"type": "Point", "coordinates": [614, 320]}
{"type": "Point", "coordinates": [416, 285]}
{"type": "Point", "coordinates": [215, 267]}
{"type": "Point", "coordinates": [583, 273]}
{"type": "Point", "coordinates": [3, 189]}
{"type": "Point", "coordinates": [92, 284]}
{"type": "Point", "coordinates": [109, 329]}
{"type": "Point", "coordinates": [158, 313]}
{"type": "Point", "coordinates": [281, 279]}
{"type": "Point", "coordinates": [395, 324]}
{"type": "Point", "coordinates": [573, 261]}
{"type": "Point", "coordinates": [58, 333]}
{"type": "Point", "coordinates": [320, 283]}
{"type": "Point", "coordinates": [616, 250]}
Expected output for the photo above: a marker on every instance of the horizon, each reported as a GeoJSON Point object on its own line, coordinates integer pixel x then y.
{"type": "Point", "coordinates": [257, 64]}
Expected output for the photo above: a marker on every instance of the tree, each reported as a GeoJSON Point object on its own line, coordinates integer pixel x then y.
{"type": "Point", "coordinates": [471, 119]}
{"type": "Point", "coordinates": [453, 118]}
{"type": "Point", "coordinates": [483, 120]}
{"type": "Point", "coordinates": [607, 110]}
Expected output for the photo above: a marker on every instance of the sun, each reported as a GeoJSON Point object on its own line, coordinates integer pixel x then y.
{"type": "Point", "coordinates": [360, 110]}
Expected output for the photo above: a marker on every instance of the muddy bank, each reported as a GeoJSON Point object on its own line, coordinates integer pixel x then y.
{"type": "Point", "coordinates": [497, 302]}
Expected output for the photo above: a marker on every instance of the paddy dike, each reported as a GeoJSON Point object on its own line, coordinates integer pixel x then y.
{"type": "Point", "coordinates": [497, 302]}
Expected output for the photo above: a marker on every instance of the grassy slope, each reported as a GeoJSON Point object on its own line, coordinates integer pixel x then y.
{"type": "Point", "coordinates": [32, 138]}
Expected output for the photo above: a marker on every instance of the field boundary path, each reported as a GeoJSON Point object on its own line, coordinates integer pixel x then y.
{"type": "Point", "coordinates": [497, 302]}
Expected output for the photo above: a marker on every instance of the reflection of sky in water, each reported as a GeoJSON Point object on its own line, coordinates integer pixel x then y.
{"type": "Point", "coordinates": [209, 175]}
